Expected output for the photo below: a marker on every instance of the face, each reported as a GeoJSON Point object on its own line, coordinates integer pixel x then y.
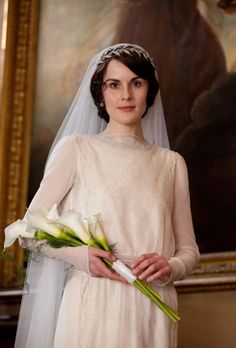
{"type": "Point", "coordinates": [124, 94]}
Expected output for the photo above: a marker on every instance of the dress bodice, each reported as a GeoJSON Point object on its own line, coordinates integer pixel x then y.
{"type": "Point", "coordinates": [129, 183]}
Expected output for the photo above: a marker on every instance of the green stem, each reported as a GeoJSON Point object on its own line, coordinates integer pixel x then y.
{"type": "Point", "coordinates": [147, 288]}
{"type": "Point", "coordinates": [65, 240]}
{"type": "Point", "coordinates": [141, 286]}
{"type": "Point", "coordinates": [153, 295]}
{"type": "Point", "coordinates": [108, 262]}
{"type": "Point", "coordinates": [94, 244]}
{"type": "Point", "coordinates": [164, 307]}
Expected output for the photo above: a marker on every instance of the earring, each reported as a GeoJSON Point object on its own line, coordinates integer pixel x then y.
{"type": "Point", "coordinates": [102, 105]}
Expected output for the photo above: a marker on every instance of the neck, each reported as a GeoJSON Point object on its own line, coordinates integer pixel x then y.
{"type": "Point", "coordinates": [125, 129]}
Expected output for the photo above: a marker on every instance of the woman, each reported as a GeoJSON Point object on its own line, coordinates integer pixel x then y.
{"type": "Point", "coordinates": [140, 192]}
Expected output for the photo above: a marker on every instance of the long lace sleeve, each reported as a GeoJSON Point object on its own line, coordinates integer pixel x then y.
{"type": "Point", "coordinates": [59, 176]}
{"type": "Point", "coordinates": [187, 253]}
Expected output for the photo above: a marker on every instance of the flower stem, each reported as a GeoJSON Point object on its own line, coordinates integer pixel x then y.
{"type": "Point", "coordinates": [147, 287]}
{"type": "Point", "coordinates": [58, 242]}
{"type": "Point", "coordinates": [153, 295]}
{"type": "Point", "coordinates": [164, 307]}
{"type": "Point", "coordinates": [108, 262]}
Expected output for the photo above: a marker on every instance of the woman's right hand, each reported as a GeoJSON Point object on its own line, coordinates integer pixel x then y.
{"type": "Point", "coordinates": [98, 268]}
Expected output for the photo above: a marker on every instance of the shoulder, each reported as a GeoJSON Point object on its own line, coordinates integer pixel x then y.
{"type": "Point", "coordinates": [73, 140]}
{"type": "Point", "coordinates": [66, 141]}
{"type": "Point", "coordinates": [172, 156]}
{"type": "Point", "coordinates": [65, 145]}
{"type": "Point", "coordinates": [181, 167]}
{"type": "Point", "coordinates": [166, 154]}
{"type": "Point", "coordinates": [63, 152]}
{"type": "Point", "coordinates": [73, 143]}
{"type": "Point", "coordinates": [171, 161]}
{"type": "Point", "coordinates": [83, 138]}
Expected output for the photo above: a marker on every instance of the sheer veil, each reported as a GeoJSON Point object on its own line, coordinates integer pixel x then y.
{"type": "Point", "coordinates": [46, 277]}
{"type": "Point", "coordinates": [82, 117]}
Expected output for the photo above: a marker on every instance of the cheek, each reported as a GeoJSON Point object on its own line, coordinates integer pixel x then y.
{"type": "Point", "coordinates": [143, 100]}
{"type": "Point", "coordinates": [109, 98]}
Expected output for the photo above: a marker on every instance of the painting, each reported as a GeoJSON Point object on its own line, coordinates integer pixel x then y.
{"type": "Point", "coordinates": [193, 46]}
{"type": "Point", "coordinates": [209, 143]}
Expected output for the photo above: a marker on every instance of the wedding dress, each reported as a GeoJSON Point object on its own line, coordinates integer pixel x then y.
{"type": "Point", "coordinates": [141, 194]}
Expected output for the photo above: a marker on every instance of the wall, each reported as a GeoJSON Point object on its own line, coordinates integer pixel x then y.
{"type": "Point", "coordinates": [208, 319]}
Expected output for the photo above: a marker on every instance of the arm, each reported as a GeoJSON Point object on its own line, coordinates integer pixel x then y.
{"type": "Point", "coordinates": [187, 253]}
{"type": "Point", "coordinates": [60, 175]}
{"type": "Point", "coordinates": [152, 266]}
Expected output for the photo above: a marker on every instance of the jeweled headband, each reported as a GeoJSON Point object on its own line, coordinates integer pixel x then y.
{"type": "Point", "coordinates": [129, 49]}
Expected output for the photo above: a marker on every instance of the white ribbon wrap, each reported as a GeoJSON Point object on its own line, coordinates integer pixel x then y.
{"type": "Point", "coordinates": [124, 271]}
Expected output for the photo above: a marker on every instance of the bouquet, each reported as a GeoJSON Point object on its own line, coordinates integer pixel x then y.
{"type": "Point", "coordinates": [73, 229]}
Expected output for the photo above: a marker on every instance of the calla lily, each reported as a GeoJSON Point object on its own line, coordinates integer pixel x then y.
{"type": "Point", "coordinates": [74, 230]}
{"type": "Point", "coordinates": [79, 225]}
{"type": "Point", "coordinates": [15, 230]}
{"type": "Point", "coordinates": [38, 219]}
{"type": "Point", "coordinates": [97, 232]}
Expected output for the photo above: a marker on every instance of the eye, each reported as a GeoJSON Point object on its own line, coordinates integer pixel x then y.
{"type": "Point", "coordinates": [137, 83]}
{"type": "Point", "coordinates": [112, 84]}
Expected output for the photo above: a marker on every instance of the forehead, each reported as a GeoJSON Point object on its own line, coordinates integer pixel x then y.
{"type": "Point", "coordinates": [117, 70]}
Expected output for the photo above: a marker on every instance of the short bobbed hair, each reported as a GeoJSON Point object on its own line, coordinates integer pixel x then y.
{"type": "Point", "coordinates": [139, 65]}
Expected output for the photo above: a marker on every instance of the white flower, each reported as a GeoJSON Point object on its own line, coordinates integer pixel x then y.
{"type": "Point", "coordinates": [97, 231]}
{"type": "Point", "coordinates": [15, 230]}
{"type": "Point", "coordinates": [77, 224]}
{"type": "Point", "coordinates": [40, 219]}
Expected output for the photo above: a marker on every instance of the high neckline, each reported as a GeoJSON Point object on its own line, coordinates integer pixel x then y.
{"type": "Point", "coordinates": [123, 139]}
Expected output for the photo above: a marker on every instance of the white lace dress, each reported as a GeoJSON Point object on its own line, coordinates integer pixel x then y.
{"type": "Point", "coordinates": [141, 193]}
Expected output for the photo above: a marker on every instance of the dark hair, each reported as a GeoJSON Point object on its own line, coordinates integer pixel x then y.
{"type": "Point", "coordinates": [136, 63]}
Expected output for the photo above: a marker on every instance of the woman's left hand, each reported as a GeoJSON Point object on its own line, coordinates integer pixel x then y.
{"type": "Point", "coordinates": [150, 267]}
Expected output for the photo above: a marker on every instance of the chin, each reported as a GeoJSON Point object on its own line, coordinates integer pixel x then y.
{"type": "Point", "coordinates": [129, 120]}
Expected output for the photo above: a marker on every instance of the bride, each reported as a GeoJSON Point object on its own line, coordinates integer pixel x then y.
{"type": "Point", "coordinates": [110, 157]}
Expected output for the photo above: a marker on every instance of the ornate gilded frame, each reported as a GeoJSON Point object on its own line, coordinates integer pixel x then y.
{"type": "Point", "coordinates": [15, 121]}
{"type": "Point", "coordinates": [216, 271]}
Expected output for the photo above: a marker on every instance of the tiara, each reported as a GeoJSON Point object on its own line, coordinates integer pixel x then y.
{"type": "Point", "coordinates": [129, 49]}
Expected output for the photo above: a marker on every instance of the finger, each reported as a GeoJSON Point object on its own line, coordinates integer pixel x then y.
{"type": "Point", "coordinates": [99, 269]}
{"type": "Point", "coordinates": [153, 258]}
{"type": "Point", "coordinates": [101, 253]}
{"type": "Point", "coordinates": [144, 265]}
{"type": "Point", "coordinates": [151, 266]}
{"type": "Point", "coordinates": [141, 258]}
{"type": "Point", "coordinates": [149, 271]}
{"type": "Point", "coordinates": [114, 276]}
{"type": "Point", "coordinates": [163, 275]}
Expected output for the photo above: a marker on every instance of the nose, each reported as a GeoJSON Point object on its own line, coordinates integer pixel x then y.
{"type": "Point", "coordinates": [126, 93]}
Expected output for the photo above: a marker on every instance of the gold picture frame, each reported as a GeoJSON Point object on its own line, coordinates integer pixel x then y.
{"type": "Point", "coordinates": [216, 271]}
{"type": "Point", "coordinates": [15, 121]}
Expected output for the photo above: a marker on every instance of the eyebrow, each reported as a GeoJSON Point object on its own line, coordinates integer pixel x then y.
{"type": "Point", "coordinates": [116, 80]}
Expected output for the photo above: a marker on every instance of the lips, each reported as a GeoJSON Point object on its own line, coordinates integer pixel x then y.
{"type": "Point", "coordinates": [126, 108]}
